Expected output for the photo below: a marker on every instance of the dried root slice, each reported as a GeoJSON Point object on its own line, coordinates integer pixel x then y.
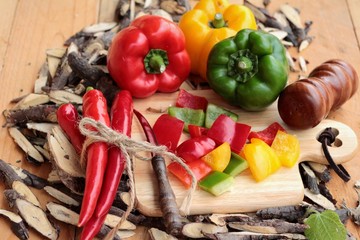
{"type": "Point", "coordinates": [271, 226]}
{"type": "Point", "coordinates": [31, 153]}
{"type": "Point", "coordinates": [41, 127]}
{"type": "Point", "coordinates": [112, 220]}
{"type": "Point", "coordinates": [33, 215]}
{"type": "Point", "coordinates": [321, 171]}
{"type": "Point", "coordinates": [292, 15]}
{"type": "Point", "coordinates": [13, 181]}
{"type": "Point", "coordinates": [199, 230]}
{"type": "Point", "coordinates": [309, 178]}
{"type": "Point", "coordinates": [99, 27]}
{"type": "Point", "coordinates": [253, 236]}
{"type": "Point", "coordinates": [32, 99]}
{"type": "Point", "coordinates": [62, 96]}
{"type": "Point", "coordinates": [61, 196]}
{"type": "Point", "coordinates": [66, 161]}
{"type": "Point", "coordinates": [319, 199]}
{"type": "Point", "coordinates": [42, 79]}
{"type": "Point", "coordinates": [53, 63]}
{"type": "Point", "coordinates": [157, 234]}
{"type": "Point", "coordinates": [68, 216]}
{"type": "Point", "coordinates": [17, 224]}
{"type": "Point", "coordinates": [28, 178]}
{"type": "Point", "coordinates": [56, 52]}
{"type": "Point", "coordinates": [53, 177]}
{"type": "Point", "coordinates": [222, 219]}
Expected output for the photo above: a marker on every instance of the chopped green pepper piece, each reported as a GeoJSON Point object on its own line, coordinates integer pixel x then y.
{"type": "Point", "coordinates": [217, 183]}
{"type": "Point", "coordinates": [213, 112]}
{"type": "Point", "coordinates": [236, 165]}
{"type": "Point", "coordinates": [188, 116]}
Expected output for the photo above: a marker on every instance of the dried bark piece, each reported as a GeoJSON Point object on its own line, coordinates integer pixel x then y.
{"type": "Point", "coordinates": [41, 127]}
{"type": "Point", "coordinates": [292, 15]}
{"type": "Point", "coordinates": [270, 226]}
{"type": "Point", "coordinates": [355, 212]}
{"type": "Point", "coordinates": [294, 213]}
{"type": "Point", "coordinates": [17, 224]}
{"type": "Point", "coordinates": [319, 199]}
{"type": "Point", "coordinates": [32, 155]}
{"type": "Point", "coordinates": [222, 219]}
{"type": "Point", "coordinates": [33, 215]}
{"type": "Point", "coordinates": [39, 113]}
{"type": "Point", "coordinates": [199, 230]}
{"type": "Point", "coordinates": [321, 171]}
{"type": "Point", "coordinates": [254, 236]}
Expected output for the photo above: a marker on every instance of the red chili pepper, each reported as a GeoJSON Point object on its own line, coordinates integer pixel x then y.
{"type": "Point", "coordinates": [268, 134]}
{"type": "Point", "coordinates": [92, 227]}
{"type": "Point", "coordinates": [188, 100]}
{"type": "Point", "coordinates": [194, 148]}
{"type": "Point", "coordinates": [149, 56]}
{"type": "Point", "coordinates": [168, 130]}
{"type": "Point", "coordinates": [225, 129]}
{"type": "Point", "coordinates": [121, 120]}
{"type": "Point", "coordinates": [68, 119]}
{"type": "Point", "coordinates": [94, 106]}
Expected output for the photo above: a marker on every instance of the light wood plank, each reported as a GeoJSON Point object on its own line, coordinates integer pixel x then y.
{"type": "Point", "coordinates": [7, 13]}
{"type": "Point", "coordinates": [354, 9]}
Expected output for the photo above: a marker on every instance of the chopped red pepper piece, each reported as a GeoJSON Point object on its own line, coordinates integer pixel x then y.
{"type": "Point", "coordinates": [197, 131]}
{"type": "Point", "coordinates": [168, 130]}
{"type": "Point", "coordinates": [198, 167]}
{"type": "Point", "coordinates": [188, 100]}
{"type": "Point", "coordinates": [268, 134]}
{"type": "Point", "coordinates": [225, 129]}
{"type": "Point", "coordinates": [194, 148]}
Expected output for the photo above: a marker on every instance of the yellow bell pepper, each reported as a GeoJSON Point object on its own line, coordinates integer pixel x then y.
{"type": "Point", "coordinates": [218, 158]}
{"type": "Point", "coordinates": [261, 158]}
{"type": "Point", "coordinates": [287, 148]}
{"type": "Point", "coordinates": [209, 22]}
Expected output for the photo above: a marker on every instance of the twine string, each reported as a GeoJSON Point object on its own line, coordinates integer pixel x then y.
{"type": "Point", "coordinates": [98, 132]}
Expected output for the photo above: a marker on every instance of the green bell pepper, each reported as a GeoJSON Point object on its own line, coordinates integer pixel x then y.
{"type": "Point", "coordinates": [188, 116]}
{"type": "Point", "coordinates": [217, 183]}
{"type": "Point", "coordinates": [249, 70]}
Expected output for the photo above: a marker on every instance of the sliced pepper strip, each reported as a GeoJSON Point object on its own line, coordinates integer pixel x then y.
{"type": "Point", "coordinates": [218, 158]}
{"type": "Point", "coordinates": [287, 148]}
{"type": "Point", "coordinates": [261, 158]}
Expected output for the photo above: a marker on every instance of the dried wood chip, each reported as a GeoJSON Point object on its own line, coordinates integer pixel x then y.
{"type": "Point", "coordinates": [292, 15]}
{"type": "Point", "coordinates": [41, 127]}
{"type": "Point", "coordinates": [157, 234]}
{"type": "Point", "coordinates": [304, 44]}
{"type": "Point", "coordinates": [302, 63]}
{"type": "Point", "coordinates": [53, 63]}
{"type": "Point", "coordinates": [63, 96]}
{"type": "Point", "coordinates": [112, 220]}
{"type": "Point", "coordinates": [30, 151]}
{"type": "Point", "coordinates": [319, 199]}
{"type": "Point", "coordinates": [56, 52]}
{"type": "Point", "coordinates": [32, 99]}
{"type": "Point", "coordinates": [61, 196]}
{"type": "Point", "coordinates": [198, 230]}
{"type": "Point", "coordinates": [99, 27]}
{"type": "Point", "coordinates": [17, 224]}
{"type": "Point", "coordinates": [221, 219]}
{"type": "Point", "coordinates": [33, 215]}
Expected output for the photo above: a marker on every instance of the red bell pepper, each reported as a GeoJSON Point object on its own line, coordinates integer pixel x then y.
{"type": "Point", "coordinates": [121, 118]}
{"type": "Point", "coordinates": [196, 131]}
{"type": "Point", "coordinates": [194, 148]}
{"type": "Point", "coordinates": [199, 168]}
{"type": "Point", "coordinates": [268, 134]}
{"type": "Point", "coordinates": [168, 130]}
{"type": "Point", "coordinates": [94, 106]}
{"type": "Point", "coordinates": [225, 129]}
{"type": "Point", "coordinates": [68, 119]}
{"type": "Point", "coordinates": [149, 56]}
{"type": "Point", "coordinates": [188, 100]}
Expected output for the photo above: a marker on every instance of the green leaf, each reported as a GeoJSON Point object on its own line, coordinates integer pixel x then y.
{"type": "Point", "coordinates": [324, 226]}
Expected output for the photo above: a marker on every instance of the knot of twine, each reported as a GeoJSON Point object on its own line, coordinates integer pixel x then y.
{"type": "Point", "coordinates": [98, 132]}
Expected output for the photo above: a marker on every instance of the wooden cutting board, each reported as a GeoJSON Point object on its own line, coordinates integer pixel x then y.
{"type": "Point", "coordinates": [285, 187]}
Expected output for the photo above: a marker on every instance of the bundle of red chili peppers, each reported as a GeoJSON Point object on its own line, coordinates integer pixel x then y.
{"type": "Point", "coordinates": [104, 164]}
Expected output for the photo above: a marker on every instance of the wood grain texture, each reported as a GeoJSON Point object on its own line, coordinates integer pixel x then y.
{"type": "Point", "coordinates": [29, 27]}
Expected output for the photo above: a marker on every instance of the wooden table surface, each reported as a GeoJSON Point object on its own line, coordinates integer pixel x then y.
{"type": "Point", "coordinates": [29, 27]}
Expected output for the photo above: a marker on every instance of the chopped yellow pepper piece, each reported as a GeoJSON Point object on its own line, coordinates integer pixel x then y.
{"type": "Point", "coordinates": [261, 158]}
{"type": "Point", "coordinates": [287, 148]}
{"type": "Point", "coordinates": [218, 158]}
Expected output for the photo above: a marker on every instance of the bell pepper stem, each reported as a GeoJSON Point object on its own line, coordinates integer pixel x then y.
{"type": "Point", "coordinates": [242, 65]}
{"type": "Point", "coordinates": [218, 21]}
{"type": "Point", "coordinates": [155, 61]}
